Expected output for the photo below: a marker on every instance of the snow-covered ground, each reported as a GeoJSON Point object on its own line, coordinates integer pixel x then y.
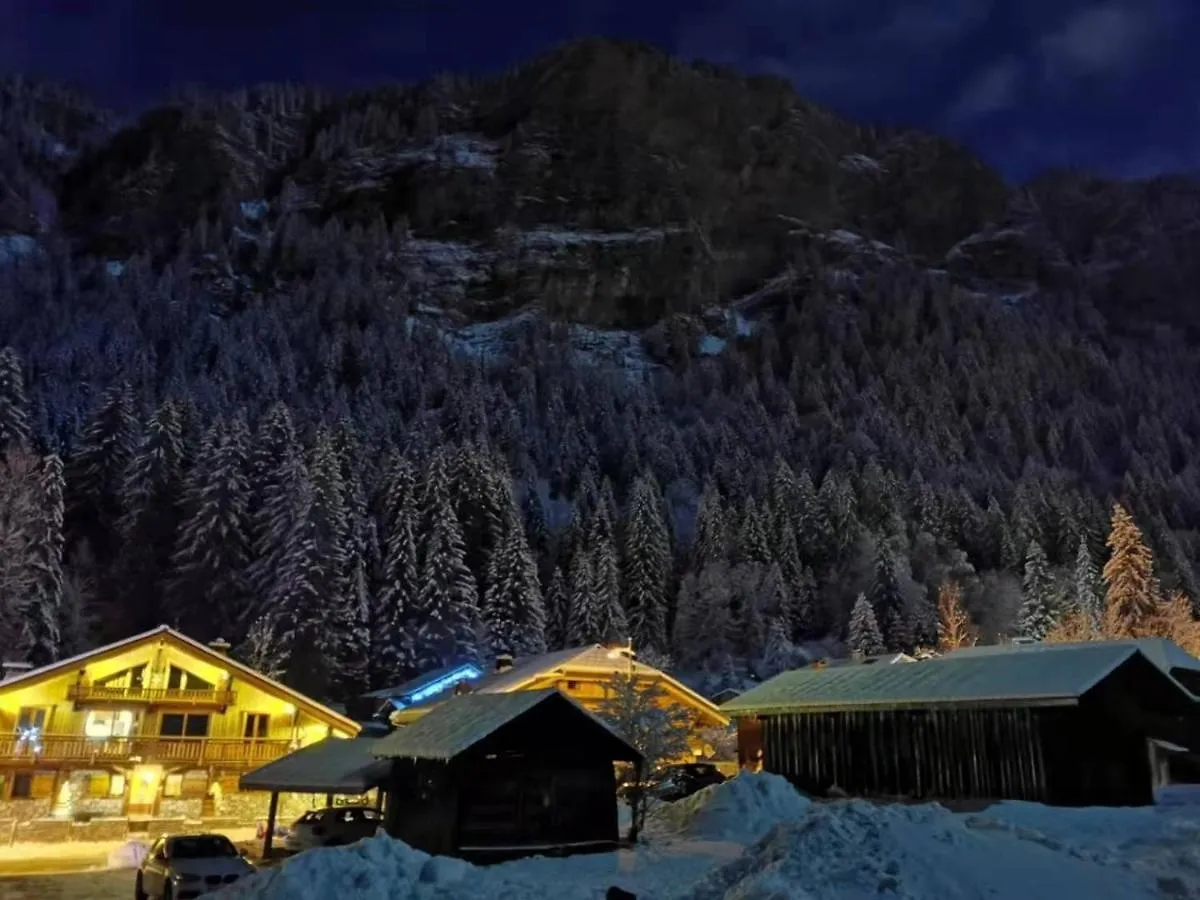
{"type": "Point", "coordinates": [754, 838]}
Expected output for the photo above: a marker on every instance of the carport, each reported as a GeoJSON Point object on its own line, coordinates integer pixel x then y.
{"type": "Point", "coordinates": [333, 766]}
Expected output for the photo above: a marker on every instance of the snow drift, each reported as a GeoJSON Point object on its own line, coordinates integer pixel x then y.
{"type": "Point", "coordinates": [857, 850]}
{"type": "Point", "coordinates": [742, 809]}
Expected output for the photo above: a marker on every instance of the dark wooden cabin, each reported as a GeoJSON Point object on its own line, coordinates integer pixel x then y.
{"type": "Point", "coordinates": [1072, 725]}
{"type": "Point", "coordinates": [495, 776]}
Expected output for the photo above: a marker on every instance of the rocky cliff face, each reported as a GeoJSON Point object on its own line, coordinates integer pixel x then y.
{"type": "Point", "coordinates": [603, 183]}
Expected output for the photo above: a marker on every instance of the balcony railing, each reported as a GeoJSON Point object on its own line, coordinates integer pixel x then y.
{"type": "Point", "coordinates": [96, 693]}
{"type": "Point", "coordinates": [53, 748]}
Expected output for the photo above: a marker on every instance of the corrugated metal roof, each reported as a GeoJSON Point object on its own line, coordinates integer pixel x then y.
{"type": "Point", "coordinates": [966, 678]}
{"type": "Point", "coordinates": [330, 766]}
{"type": "Point", "coordinates": [1165, 654]}
{"type": "Point", "coordinates": [459, 723]}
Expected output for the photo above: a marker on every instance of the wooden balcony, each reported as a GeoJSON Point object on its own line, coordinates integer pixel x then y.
{"type": "Point", "coordinates": [96, 695]}
{"type": "Point", "coordinates": [56, 749]}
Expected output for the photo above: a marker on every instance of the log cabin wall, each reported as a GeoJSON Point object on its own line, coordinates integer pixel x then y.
{"type": "Point", "coordinates": [923, 754]}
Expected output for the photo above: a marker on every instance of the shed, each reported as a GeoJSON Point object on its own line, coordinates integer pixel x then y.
{"type": "Point", "coordinates": [333, 766]}
{"type": "Point", "coordinates": [1083, 725]}
{"type": "Point", "coordinates": [491, 776]}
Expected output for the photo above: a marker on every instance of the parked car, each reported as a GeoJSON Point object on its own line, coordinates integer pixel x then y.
{"type": "Point", "coordinates": [674, 782]}
{"type": "Point", "coordinates": [332, 827]}
{"type": "Point", "coordinates": [183, 866]}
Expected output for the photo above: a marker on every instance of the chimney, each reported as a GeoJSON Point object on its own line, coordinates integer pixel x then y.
{"type": "Point", "coordinates": [12, 668]}
{"type": "Point", "coordinates": [504, 662]}
{"type": "Point", "coordinates": [220, 645]}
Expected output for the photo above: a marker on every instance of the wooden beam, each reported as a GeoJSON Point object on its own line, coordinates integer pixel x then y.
{"type": "Point", "coordinates": [272, 812]}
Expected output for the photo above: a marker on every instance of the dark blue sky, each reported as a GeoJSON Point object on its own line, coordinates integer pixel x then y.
{"type": "Point", "coordinates": [1111, 85]}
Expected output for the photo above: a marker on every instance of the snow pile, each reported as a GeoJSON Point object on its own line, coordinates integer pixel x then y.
{"type": "Point", "coordinates": [857, 850]}
{"type": "Point", "coordinates": [742, 809]}
{"type": "Point", "coordinates": [128, 855]}
{"type": "Point", "coordinates": [378, 868]}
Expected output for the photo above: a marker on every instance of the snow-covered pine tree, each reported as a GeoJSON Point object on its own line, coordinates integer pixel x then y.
{"type": "Point", "coordinates": [44, 608]}
{"type": "Point", "coordinates": [557, 603]}
{"type": "Point", "coordinates": [646, 565]}
{"type": "Point", "coordinates": [207, 594]}
{"type": "Point", "coordinates": [285, 576]}
{"type": "Point", "coordinates": [814, 534]}
{"type": "Point", "coordinates": [612, 626]}
{"type": "Point", "coordinates": [779, 655]}
{"type": "Point", "coordinates": [152, 513]}
{"type": "Point", "coordinates": [393, 623]}
{"type": "Point", "coordinates": [514, 618]}
{"type": "Point", "coordinates": [261, 650]}
{"type": "Point", "coordinates": [96, 469]}
{"type": "Point", "coordinates": [584, 618]}
{"type": "Point", "coordinates": [1086, 585]}
{"type": "Point", "coordinates": [863, 636]}
{"type": "Point", "coordinates": [752, 544]}
{"type": "Point", "coordinates": [837, 497]}
{"type": "Point", "coordinates": [887, 600]}
{"type": "Point", "coordinates": [479, 505]}
{"type": "Point", "coordinates": [14, 408]}
{"type": "Point", "coordinates": [447, 606]}
{"type": "Point", "coordinates": [783, 504]}
{"type": "Point", "coordinates": [710, 541]}
{"type": "Point", "coordinates": [275, 440]}
{"type": "Point", "coordinates": [1036, 615]}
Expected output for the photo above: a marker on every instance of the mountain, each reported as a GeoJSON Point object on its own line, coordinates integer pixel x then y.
{"type": "Point", "coordinates": [699, 354]}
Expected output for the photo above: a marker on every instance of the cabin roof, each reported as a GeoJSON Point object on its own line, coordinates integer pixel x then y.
{"type": "Point", "coordinates": [191, 645]}
{"type": "Point", "coordinates": [999, 678]}
{"type": "Point", "coordinates": [330, 766]}
{"type": "Point", "coordinates": [458, 724]}
{"type": "Point", "coordinates": [525, 670]}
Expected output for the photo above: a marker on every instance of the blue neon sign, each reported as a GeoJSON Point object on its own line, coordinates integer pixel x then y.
{"type": "Point", "coordinates": [437, 686]}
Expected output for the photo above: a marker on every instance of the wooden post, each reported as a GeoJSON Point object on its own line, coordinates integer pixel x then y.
{"type": "Point", "coordinates": [328, 800]}
{"type": "Point", "coordinates": [272, 812]}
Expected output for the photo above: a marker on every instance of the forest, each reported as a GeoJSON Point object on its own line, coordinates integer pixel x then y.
{"type": "Point", "coordinates": [257, 432]}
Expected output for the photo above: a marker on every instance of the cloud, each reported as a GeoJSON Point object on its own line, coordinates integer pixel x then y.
{"type": "Point", "coordinates": [991, 90]}
{"type": "Point", "coordinates": [847, 52]}
{"type": "Point", "coordinates": [1107, 39]}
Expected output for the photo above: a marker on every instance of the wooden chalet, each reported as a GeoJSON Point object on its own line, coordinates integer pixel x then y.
{"type": "Point", "coordinates": [1068, 724]}
{"type": "Point", "coordinates": [493, 776]}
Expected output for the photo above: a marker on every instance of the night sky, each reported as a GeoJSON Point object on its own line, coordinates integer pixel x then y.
{"type": "Point", "coordinates": [1112, 86]}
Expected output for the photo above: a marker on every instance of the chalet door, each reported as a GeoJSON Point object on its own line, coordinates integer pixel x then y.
{"type": "Point", "coordinates": [144, 785]}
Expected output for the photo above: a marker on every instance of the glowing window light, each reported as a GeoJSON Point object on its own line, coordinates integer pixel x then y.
{"type": "Point", "coordinates": [29, 739]}
{"type": "Point", "coordinates": [461, 674]}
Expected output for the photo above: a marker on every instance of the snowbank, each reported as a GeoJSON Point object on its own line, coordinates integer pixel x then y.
{"type": "Point", "coordinates": [856, 850]}
{"type": "Point", "coordinates": [742, 809]}
{"type": "Point", "coordinates": [129, 855]}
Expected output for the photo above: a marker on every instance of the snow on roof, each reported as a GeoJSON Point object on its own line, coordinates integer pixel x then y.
{"type": "Point", "coordinates": [968, 678]}
{"type": "Point", "coordinates": [330, 766]}
{"type": "Point", "coordinates": [453, 727]}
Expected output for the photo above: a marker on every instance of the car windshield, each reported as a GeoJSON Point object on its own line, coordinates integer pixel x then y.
{"type": "Point", "coordinates": [205, 846]}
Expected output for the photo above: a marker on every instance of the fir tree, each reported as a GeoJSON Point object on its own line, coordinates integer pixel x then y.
{"type": "Point", "coordinates": [393, 621]}
{"type": "Point", "coordinates": [753, 545]}
{"type": "Point", "coordinates": [863, 637]}
{"type": "Point", "coordinates": [447, 606]}
{"type": "Point", "coordinates": [1132, 593]}
{"type": "Point", "coordinates": [1085, 587]}
{"type": "Point", "coordinates": [612, 626]}
{"type": "Point", "coordinates": [513, 616]}
{"type": "Point", "coordinates": [44, 610]}
{"type": "Point", "coordinates": [207, 595]}
{"type": "Point", "coordinates": [710, 543]}
{"type": "Point", "coordinates": [152, 489]}
{"type": "Point", "coordinates": [646, 562]}
{"type": "Point", "coordinates": [1036, 616]}
{"type": "Point", "coordinates": [557, 604]}
{"type": "Point", "coordinates": [887, 600]}
{"type": "Point", "coordinates": [14, 408]}
{"type": "Point", "coordinates": [584, 618]}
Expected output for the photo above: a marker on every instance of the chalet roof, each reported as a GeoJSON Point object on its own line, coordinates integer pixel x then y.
{"type": "Point", "coordinates": [330, 766]}
{"type": "Point", "coordinates": [421, 681]}
{"type": "Point", "coordinates": [594, 658]}
{"type": "Point", "coordinates": [193, 646]}
{"type": "Point", "coordinates": [970, 678]}
{"type": "Point", "coordinates": [461, 722]}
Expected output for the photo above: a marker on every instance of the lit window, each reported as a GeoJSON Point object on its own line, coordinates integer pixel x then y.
{"type": "Point", "coordinates": [109, 723]}
{"type": "Point", "coordinates": [116, 786]}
